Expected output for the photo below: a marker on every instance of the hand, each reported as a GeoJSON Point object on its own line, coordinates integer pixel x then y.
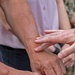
{"type": "Point", "coordinates": [58, 36]}
{"type": "Point", "coordinates": [69, 60]}
{"type": "Point", "coordinates": [55, 36]}
{"type": "Point", "coordinates": [67, 53]}
{"type": "Point", "coordinates": [47, 64]}
{"type": "Point", "coordinates": [5, 70]}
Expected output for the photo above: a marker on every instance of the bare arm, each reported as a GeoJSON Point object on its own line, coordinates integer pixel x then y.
{"type": "Point", "coordinates": [20, 19]}
{"type": "Point", "coordinates": [63, 17]}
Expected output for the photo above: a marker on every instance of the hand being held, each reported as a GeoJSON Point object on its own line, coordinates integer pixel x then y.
{"type": "Point", "coordinates": [47, 64]}
{"type": "Point", "coordinates": [69, 60]}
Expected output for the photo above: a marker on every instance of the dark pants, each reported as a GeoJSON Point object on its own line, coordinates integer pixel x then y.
{"type": "Point", "coordinates": [16, 58]}
{"type": "Point", "coordinates": [1, 59]}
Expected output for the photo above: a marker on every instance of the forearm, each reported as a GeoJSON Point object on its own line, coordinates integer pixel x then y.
{"type": "Point", "coordinates": [63, 17]}
{"type": "Point", "coordinates": [22, 22]}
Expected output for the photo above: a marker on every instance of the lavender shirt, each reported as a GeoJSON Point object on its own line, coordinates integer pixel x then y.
{"type": "Point", "coordinates": [46, 17]}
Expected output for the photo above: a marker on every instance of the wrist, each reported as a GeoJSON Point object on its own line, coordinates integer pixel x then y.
{"type": "Point", "coordinates": [30, 45]}
{"type": "Point", "coordinates": [36, 56]}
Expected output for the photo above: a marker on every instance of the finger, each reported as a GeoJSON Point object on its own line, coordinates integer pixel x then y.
{"type": "Point", "coordinates": [47, 39]}
{"type": "Point", "coordinates": [43, 47]}
{"type": "Point", "coordinates": [57, 68]}
{"type": "Point", "coordinates": [53, 38]}
{"type": "Point", "coordinates": [52, 31]}
{"type": "Point", "coordinates": [69, 63]}
{"type": "Point", "coordinates": [67, 59]}
{"type": "Point", "coordinates": [62, 67]}
{"type": "Point", "coordinates": [49, 71]}
{"type": "Point", "coordinates": [67, 51]}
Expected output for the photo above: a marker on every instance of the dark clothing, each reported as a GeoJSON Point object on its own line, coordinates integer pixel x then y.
{"type": "Point", "coordinates": [16, 58]}
{"type": "Point", "coordinates": [1, 60]}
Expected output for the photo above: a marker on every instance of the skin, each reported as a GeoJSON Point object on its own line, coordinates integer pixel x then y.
{"type": "Point", "coordinates": [69, 60]}
{"type": "Point", "coordinates": [65, 36]}
{"type": "Point", "coordinates": [64, 24]}
{"type": "Point", "coordinates": [22, 23]}
{"type": "Point", "coordinates": [5, 70]}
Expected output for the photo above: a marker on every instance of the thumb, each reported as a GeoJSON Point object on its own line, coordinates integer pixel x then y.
{"type": "Point", "coordinates": [67, 51]}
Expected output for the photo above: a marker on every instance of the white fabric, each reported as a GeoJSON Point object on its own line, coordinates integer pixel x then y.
{"type": "Point", "coordinates": [46, 17]}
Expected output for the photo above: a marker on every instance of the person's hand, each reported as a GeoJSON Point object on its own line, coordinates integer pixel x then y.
{"type": "Point", "coordinates": [58, 36]}
{"type": "Point", "coordinates": [6, 70]}
{"type": "Point", "coordinates": [73, 19]}
{"type": "Point", "coordinates": [69, 60]}
{"type": "Point", "coordinates": [66, 52]}
{"type": "Point", "coordinates": [47, 64]}
{"type": "Point", "coordinates": [55, 36]}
